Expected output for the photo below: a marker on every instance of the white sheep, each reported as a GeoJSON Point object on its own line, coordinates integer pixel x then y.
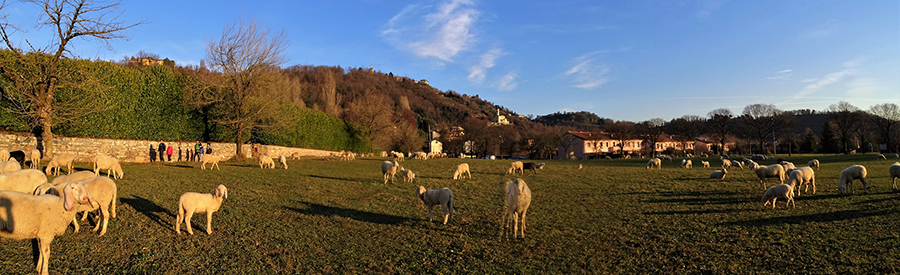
{"type": "Point", "coordinates": [787, 165]}
{"type": "Point", "coordinates": [813, 164]}
{"type": "Point", "coordinates": [420, 155]}
{"type": "Point", "coordinates": [654, 162]}
{"type": "Point", "coordinates": [432, 197]}
{"type": "Point", "coordinates": [738, 164]}
{"type": "Point", "coordinates": [462, 168]}
{"type": "Point", "coordinates": [103, 196]}
{"type": "Point", "coordinates": [283, 161]}
{"type": "Point", "coordinates": [407, 175]}
{"type": "Point", "coordinates": [388, 170]}
{"type": "Point", "coordinates": [191, 203]}
{"type": "Point", "coordinates": [111, 165]}
{"type": "Point", "coordinates": [705, 163]}
{"type": "Point", "coordinates": [80, 175]}
{"type": "Point", "coordinates": [10, 166]}
{"type": "Point", "coordinates": [881, 157]}
{"type": "Point", "coordinates": [771, 171]}
{"type": "Point", "coordinates": [4, 154]}
{"type": "Point", "coordinates": [213, 160]}
{"type": "Point", "coordinates": [295, 155]}
{"type": "Point", "coordinates": [845, 183]}
{"type": "Point", "coordinates": [726, 163]}
{"type": "Point", "coordinates": [686, 163]}
{"type": "Point", "coordinates": [894, 172]}
{"type": "Point", "coordinates": [718, 174]}
{"type": "Point", "coordinates": [803, 176]}
{"type": "Point", "coordinates": [40, 217]}
{"type": "Point", "coordinates": [266, 162]}
{"type": "Point", "coordinates": [518, 198]}
{"type": "Point", "coordinates": [35, 157]}
{"type": "Point", "coordinates": [58, 161]}
{"type": "Point", "coordinates": [516, 168]}
{"type": "Point", "coordinates": [23, 181]}
{"type": "Point", "coordinates": [781, 191]}
{"type": "Point", "coordinates": [579, 167]}
{"type": "Point", "coordinates": [398, 156]}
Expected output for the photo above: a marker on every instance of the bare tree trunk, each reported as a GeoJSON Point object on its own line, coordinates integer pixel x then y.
{"type": "Point", "coordinates": [239, 142]}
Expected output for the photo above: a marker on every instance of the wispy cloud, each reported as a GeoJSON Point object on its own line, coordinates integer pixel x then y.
{"type": "Point", "coordinates": [508, 82]}
{"type": "Point", "coordinates": [587, 72]}
{"type": "Point", "coordinates": [707, 7]}
{"type": "Point", "coordinates": [781, 75]}
{"type": "Point", "coordinates": [825, 81]}
{"type": "Point", "coordinates": [442, 33]}
{"type": "Point", "coordinates": [478, 72]}
{"type": "Point", "coordinates": [860, 87]}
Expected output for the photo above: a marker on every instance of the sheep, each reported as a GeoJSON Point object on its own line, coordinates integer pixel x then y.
{"type": "Point", "coordinates": [654, 162]}
{"type": "Point", "coordinates": [517, 168]}
{"type": "Point", "coordinates": [40, 217]}
{"type": "Point", "coordinates": [35, 157]}
{"type": "Point", "coordinates": [726, 163]}
{"type": "Point", "coordinates": [718, 174]}
{"type": "Point", "coordinates": [295, 155]}
{"type": "Point", "coordinates": [579, 167]}
{"type": "Point", "coordinates": [461, 169]}
{"type": "Point", "coordinates": [4, 154]}
{"type": "Point", "coordinates": [705, 163]}
{"type": "Point", "coordinates": [73, 177]}
{"type": "Point", "coordinates": [283, 161]}
{"type": "Point", "coordinates": [813, 164]}
{"type": "Point", "coordinates": [111, 165]}
{"type": "Point", "coordinates": [433, 197]}
{"type": "Point", "coordinates": [266, 162]}
{"type": "Point", "coordinates": [518, 198]}
{"type": "Point", "coordinates": [781, 191]}
{"type": "Point", "coordinates": [59, 160]}
{"type": "Point", "coordinates": [213, 160]}
{"type": "Point", "coordinates": [420, 155]}
{"type": "Point", "coordinates": [845, 184]}
{"type": "Point", "coordinates": [787, 165]}
{"type": "Point", "coordinates": [19, 156]}
{"type": "Point", "coordinates": [738, 164]}
{"type": "Point", "coordinates": [388, 169]}
{"type": "Point", "coordinates": [894, 173]}
{"type": "Point", "coordinates": [881, 157]}
{"type": "Point", "coordinates": [407, 175]}
{"type": "Point", "coordinates": [771, 171]}
{"type": "Point", "coordinates": [398, 156]}
{"type": "Point", "coordinates": [897, 156]}
{"type": "Point", "coordinates": [10, 166]}
{"type": "Point", "coordinates": [191, 203]}
{"type": "Point", "coordinates": [686, 163]}
{"type": "Point", "coordinates": [23, 181]}
{"type": "Point", "coordinates": [532, 166]}
{"type": "Point", "coordinates": [799, 177]}
{"type": "Point", "coordinates": [103, 196]}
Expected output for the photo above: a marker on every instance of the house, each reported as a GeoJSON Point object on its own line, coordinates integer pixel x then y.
{"type": "Point", "coordinates": [667, 141]}
{"type": "Point", "coordinates": [585, 145]}
{"type": "Point", "coordinates": [499, 119]}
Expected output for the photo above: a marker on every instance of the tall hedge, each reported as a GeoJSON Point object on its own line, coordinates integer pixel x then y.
{"type": "Point", "coordinates": [315, 129]}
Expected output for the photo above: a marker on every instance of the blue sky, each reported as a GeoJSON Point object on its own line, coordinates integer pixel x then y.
{"type": "Point", "coordinates": [624, 60]}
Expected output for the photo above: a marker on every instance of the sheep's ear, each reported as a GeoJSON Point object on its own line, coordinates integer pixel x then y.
{"type": "Point", "coordinates": [69, 199]}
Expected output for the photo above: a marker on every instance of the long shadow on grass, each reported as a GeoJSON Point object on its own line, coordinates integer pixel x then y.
{"type": "Point", "coordinates": [689, 212]}
{"type": "Point", "coordinates": [149, 209]}
{"type": "Point", "coordinates": [335, 178]}
{"type": "Point", "coordinates": [363, 216]}
{"type": "Point", "coordinates": [691, 198]}
{"type": "Point", "coordinates": [820, 217]}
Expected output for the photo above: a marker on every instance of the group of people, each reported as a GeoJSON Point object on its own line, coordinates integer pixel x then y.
{"type": "Point", "coordinates": [164, 152]}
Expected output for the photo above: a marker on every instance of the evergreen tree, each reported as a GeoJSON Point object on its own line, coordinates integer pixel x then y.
{"type": "Point", "coordinates": [810, 141]}
{"type": "Point", "coordinates": [830, 144]}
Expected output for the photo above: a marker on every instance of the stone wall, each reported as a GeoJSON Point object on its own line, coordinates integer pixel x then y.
{"type": "Point", "coordinates": [127, 150]}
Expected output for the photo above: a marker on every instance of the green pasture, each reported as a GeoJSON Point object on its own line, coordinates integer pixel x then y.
{"type": "Point", "coordinates": [609, 217]}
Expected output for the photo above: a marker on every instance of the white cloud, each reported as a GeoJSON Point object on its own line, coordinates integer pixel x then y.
{"type": "Point", "coordinates": [781, 75]}
{"type": "Point", "coordinates": [441, 34]}
{"type": "Point", "coordinates": [860, 87]}
{"type": "Point", "coordinates": [588, 72]}
{"type": "Point", "coordinates": [508, 82]}
{"type": "Point", "coordinates": [825, 81]}
{"type": "Point", "coordinates": [478, 72]}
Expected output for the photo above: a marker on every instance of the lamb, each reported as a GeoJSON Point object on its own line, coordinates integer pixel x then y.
{"type": "Point", "coordinates": [266, 162]}
{"type": "Point", "coordinates": [517, 168]}
{"type": "Point", "coordinates": [35, 157]}
{"type": "Point", "coordinates": [532, 166]}
{"type": "Point", "coordinates": [388, 169]}
{"type": "Point", "coordinates": [10, 166]}
{"type": "Point", "coordinates": [433, 197]}
{"type": "Point", "coordinates": [213, 160]}
{"type": "Point", "coordinates": [813, 164]}
{"type": "Point", "coordinates": [191, 203]}
{"type": "Point", "coordinates": [461, 169]}
{"type": "Point", "coordinates": [407, 175]}
{"type": "Point", "coordinates": [59, 160]}
{"type": "Point", "coordinates": [718, 174]}
{"type": "Point", "coordinates": [705, 163]}
{"type": "Point", "coordinates": [22, 181]}
{"type": "Point", "coordinates": [781, 191]}
{"type": "Point", "coordinates": [771, 171]}
{"type": "Point", "coordinates": [654, 162]}
{"type": "Point", "coordinates": [283, 161]}
{"type": "Point", "coordinates": [686, 163]}
{"type": "Point", "coordinates": [894, 174]}
{"type": "Point", "coordinates": [103, 196]}
{"type": "Point", "coordinates": [881, 157]}
{"type": "Point", "coordinates": [111, 165]}
{"type": "Point", "coordinates": [845, 183]}
{"type": "Point", "coordinates": [518, 198]}
{"type": "Point", "coordinates": [799, 177]}
{"type": "Point", "coordinates": [40, 217]}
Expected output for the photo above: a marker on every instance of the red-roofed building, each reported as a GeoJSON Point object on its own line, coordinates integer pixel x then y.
{"type": "Point", "coordinates": [584, 145]}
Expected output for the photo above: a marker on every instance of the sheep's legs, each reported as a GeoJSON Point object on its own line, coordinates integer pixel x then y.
{"type": "Point", "coordinates": [104, 215]}
{"type": "Point", "coordinates": [430, 208]}
{"type": "Point", "coordinates": [515, 225]}
{"type": "Point", "coordinates": [75, 223]}
{"type": "Point", "coordinates": [523, 224]}
{"type": "Point", "coordinates": [44, 259]}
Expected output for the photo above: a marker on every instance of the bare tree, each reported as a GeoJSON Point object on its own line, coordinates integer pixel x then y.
{"type": "Point", "coordinates": [374, 112]}
{"type": "Point", "coordinates": [653, 130]}
{"type": "Point", "coordinates": [621, 131]}
{"type": "Point", "coordinates": [686, 129]}
{"type": "Point", "coordinates": [886, 121]}
{"type": "Point", "coordinates": [760, 121]}
{"type": "Point", "coordinates": [846, 118]}
{"type": "Point", "coordinates": [721, 124]}
{"type": "Point", "coordinates": [248, 57]}
{"type": "Point", "coordinates": [36, 75]}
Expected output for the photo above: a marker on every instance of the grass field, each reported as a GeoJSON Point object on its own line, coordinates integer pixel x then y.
{"type": "Point", "coordinates": [610, 217]}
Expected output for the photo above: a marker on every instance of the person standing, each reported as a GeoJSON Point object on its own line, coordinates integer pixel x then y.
{"type": "Point", "coordinates": [152, 153]}
{"type": "Point", "coordinates": [169, 151]}
{"type": "Point", "coordinates": [195, 156]}
{"type": "Point", "coordinates": [162, 151]}
{"type": "Point", "coordinates": [208, 149]}
{"type": "Point", "coordinates": [200, 153]}
{"type": "Point", "coordinates": [179, 153]}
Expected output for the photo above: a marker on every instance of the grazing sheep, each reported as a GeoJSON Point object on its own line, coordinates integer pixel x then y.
{"type": "Point", "coordinates": [35, 157]}
{"type": "Point", "coordinates": [19, 156]}
{"type": "Point", "coordinates": [813, 164]}
{"type": "Point", "coordinates": [10, 166]}
{"type": "Point", "coordinates": [266, 162]}
{"type": "Point", "coordinates": [894, 173]}
{"type": "Point", "coordinates": [80, 175]}
{"type": "Point", "coordinates": [388, 169]}
{"type": "Point", "coordinates": [718, 174]}
{"type": "Point", "coordinates": [295, 155]}
{"type": "Point", "coordinates": [532, 166]}
{"type": "Point", "coordinates": [799, 177]}
{"type": "Point", "coordinates": [579, 167]}
{"type": "Point", "coordinates": [787, 165]}
{"type": "Point", "coordinates": [686, 163]}
{"type": "Point", "coordinates": [407, 175]}
{"type": "Point", "coordinates": [58, 161]}
{"type": "Point", "coordinates": [432, 197]}
{"type": "Point", "coordinates": [845, 183]}
{"type": "Point", "coordinates": [461, 169]}
{"type": "Point", "coordinates": [771, 171]}
{"type": "Point", "coordinates": [705, 163]}
{"type": "Point", "coordinates": [781, 191]}
{"type": "Point", "coordinates": [881, 157]}
{"type": "Point", "coordinates": [518, 198]}
{"type": "Point", "coordinates": [420, 155]}
{"type": "Point", "coordinates": [40, 217]}
{"type": "Point", "coordinates": [517, 168]}
{"type": "Point", "coordinates": [738, 164]}
{"type": "Point", "coordinates": [726, 163]}
{"type": "Point", "coordinates": [22, 181]}
{"type": "Point", "coordinates": [213, 160]}
{"type": "Point", "coordinates": [191, 203]}
{"type": "Point", "coordinates": [111, 165]}
{"type": "Point", "coordinates": [654, 162]}
{"type": "Point", "coordinates": [398, 156]}
{"type": "Point", "coordinates": [103, 196]}
{"type": "Point", "coordinates": [283, 161]}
